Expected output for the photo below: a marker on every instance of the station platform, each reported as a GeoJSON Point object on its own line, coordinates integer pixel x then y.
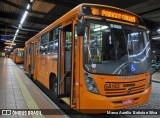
{"type": "Point", "coordinates": [18, 92]}
{"type": "Point", "coordinates": [156, 77]}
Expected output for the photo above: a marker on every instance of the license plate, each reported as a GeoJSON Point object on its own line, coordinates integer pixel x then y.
{"type": "Point", "coordinates": [128, 101]}
{"type": "Point", "coordinates": [111, 86]}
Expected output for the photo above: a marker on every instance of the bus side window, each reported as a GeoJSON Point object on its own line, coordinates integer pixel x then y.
{"type": "Point", "coordinates": [53, 41]}
{"type": "Point", "coordinates": [55, 47]}
{"type": "Point", "coordinates": [29, 50]}
{"type": "Point", "coordinates": [44, 44]}
{"type": "Point", "coordinates": [38, 45]}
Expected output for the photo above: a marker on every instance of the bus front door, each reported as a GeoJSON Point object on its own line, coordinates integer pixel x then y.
{"type": "Point", "coordinates": [67, 65]}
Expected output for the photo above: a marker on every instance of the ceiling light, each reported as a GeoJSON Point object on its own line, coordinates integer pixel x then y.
{"type": "Point", "coordinates": [156, 37]}
{"type": "Point", "coordinates": [13, 39]}
{"type": "Point", "coordinates": [101, 28]}
{"type": "Point", "coordinates": [20, 26]}
{"type": "Point", "coordinates": [21, 22]}
{"type": "Point", "coordinates": [132, 34]}
{"type": "Point", "coordinates": [24, 16]}
{"type": "Point", "coordinates": [17, 31]}
{"type": "Point", "coordinates": [10, 43]}
{"type": "Point", "coordinates": [28, 6]}
{"type": "Point", "coordinates": [8, 47]}
{"type": "Point", "coordinates": [158, 31]}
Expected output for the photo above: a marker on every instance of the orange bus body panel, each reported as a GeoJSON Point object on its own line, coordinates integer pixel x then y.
{"type": "Point", "coordinates": [15, 56]}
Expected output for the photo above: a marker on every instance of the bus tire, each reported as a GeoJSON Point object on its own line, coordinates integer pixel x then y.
{"type": "Point", "coordinates": [53, 86]}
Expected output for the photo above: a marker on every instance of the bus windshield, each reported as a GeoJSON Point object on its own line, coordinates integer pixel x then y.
{"type": "Point", "coordinates": [20, 53]}
{"type": "Point", "coordinates": [115, 49]}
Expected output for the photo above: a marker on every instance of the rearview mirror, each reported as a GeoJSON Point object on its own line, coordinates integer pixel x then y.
{"type": "Point", "coordinates": [80, 28]}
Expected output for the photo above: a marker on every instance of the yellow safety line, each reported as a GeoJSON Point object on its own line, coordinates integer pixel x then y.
{"type": "Point", "coordinates": [28, 98]}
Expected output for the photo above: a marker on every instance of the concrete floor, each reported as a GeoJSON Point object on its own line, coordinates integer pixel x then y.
{"type": "Point", "coordinates": [156, 77]}
{"type": "Point", "coordinates": [17, 91]}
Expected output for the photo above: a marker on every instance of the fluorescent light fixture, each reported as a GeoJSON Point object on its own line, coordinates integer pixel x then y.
{"type": "Point", "coordinates": [10, 43]}
{"type": "Point", "coordinates": [134, 40]}
{"type": "Point", "coordinates": [156, 37]}
{"type": "Point", "coordinates": [20, 26]}
{"type": "Point", "coordinates": [24, 17]}
{"type": "Point", "coordinates": [21, 22]}
{"type": "Point", "coordinates": [7, 43]}
{"type": "Point", "coordinates": [116, 26]}
{"type": "Point", "coordinates": [28, 6]}
{"type": "Point", "coordinates": [100, 28]}
{"type": "Point", "coordinates": [134, 34]}
{"type": "Point", "coordinates": [17, 31]}
{"type": "Point", "coordinates": [158, 31]}
{"type": "Point", "coordinates": [8, 47]}
{"type": "Point", "coordinates": [13, 39]}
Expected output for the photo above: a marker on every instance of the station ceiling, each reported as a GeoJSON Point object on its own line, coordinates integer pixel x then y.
{"type": "Point", "coordinates": [44, 12]}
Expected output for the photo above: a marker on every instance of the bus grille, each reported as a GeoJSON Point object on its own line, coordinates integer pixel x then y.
{"type": "Point", "coordinates": [123, 90]}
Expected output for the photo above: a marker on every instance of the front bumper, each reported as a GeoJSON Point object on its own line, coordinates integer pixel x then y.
{"type": "Point", "coordinates": [94, 103]}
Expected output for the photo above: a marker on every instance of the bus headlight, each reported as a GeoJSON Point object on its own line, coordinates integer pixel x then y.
{"type": "Point", "coordinates": [90, 83]}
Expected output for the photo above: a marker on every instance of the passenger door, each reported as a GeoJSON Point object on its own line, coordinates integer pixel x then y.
{"type": "Point", "coordinates": [67, 70]}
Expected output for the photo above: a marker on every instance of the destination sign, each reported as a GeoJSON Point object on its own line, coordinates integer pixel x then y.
{"type": "Point", "coordinates": [113, 14]}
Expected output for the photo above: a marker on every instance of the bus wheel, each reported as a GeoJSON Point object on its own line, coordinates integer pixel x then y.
{"type": "Point", "coordinates": [54, 87]}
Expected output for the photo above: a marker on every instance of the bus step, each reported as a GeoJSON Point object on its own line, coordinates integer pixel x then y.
{"type": "Point", "coordinates": [66, 100]}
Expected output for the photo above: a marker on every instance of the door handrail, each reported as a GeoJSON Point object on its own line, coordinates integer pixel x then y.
{"type": "Point", "coordinates": [65, 74]}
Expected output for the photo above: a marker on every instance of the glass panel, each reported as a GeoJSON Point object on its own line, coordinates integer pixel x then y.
{"type": "Point", "coordinates": [29, 50]}
{"type": "Point", "coordinates": [55, 46]}
{"type": "Point", "coordinates": [20, 53]}
{"type": "Point", "coordinates": [53, 41]}
{"type": "Point", "coordinates": [68, 44]}
{"type": "Point", "coordinates": [51, 35]}
{"type": "Point", "coordinates": [139, 50]}
{"type": "Point", "coordinates": [115, 49]}
{"type": "Point", "coordinates": [44, 38]}
{"type": "Point", "coordinates": [43, 49]}
{"type": "Point", "coordinates": [50, 47]}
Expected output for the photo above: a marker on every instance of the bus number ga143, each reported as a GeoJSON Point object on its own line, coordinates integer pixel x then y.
{"type": "Point", "coordinates": [111, 86]}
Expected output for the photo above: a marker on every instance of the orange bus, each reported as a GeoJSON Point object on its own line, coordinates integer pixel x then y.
{"type": "Point", "coordinates": [11, 55]}
{"type": "Point", "coordinates": [18, 55]}
{"type": "Point", "coordinates": [93, 57]}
